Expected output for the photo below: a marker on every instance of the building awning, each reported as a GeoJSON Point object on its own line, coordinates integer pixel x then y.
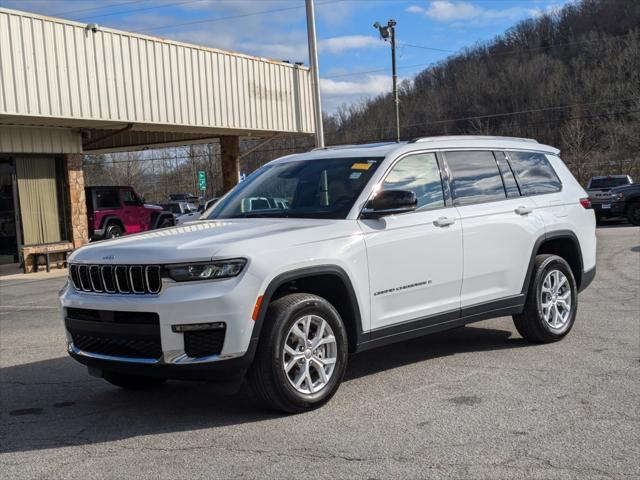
{"type": "Point", "coordinates": [122, 91]}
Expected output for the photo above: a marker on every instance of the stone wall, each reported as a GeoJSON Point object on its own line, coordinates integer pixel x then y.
{"type": "Point", "coordinates": [78, 226]}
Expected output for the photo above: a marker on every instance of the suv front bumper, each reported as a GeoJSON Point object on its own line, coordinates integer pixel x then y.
{"type": "Point", "coordinates": [178, 304]}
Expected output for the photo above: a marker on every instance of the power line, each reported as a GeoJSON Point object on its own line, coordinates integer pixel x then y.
{"type": "Point", "coordinates": [232, 17]}
{"type": "Point", "coordinates": [143, 9]}
{"type": "Point", "coordinates": [514, 51]}
{"type": "Point", "coordinates": [72, 12]}
{"type": "Point", "coordinates": [391, 127]}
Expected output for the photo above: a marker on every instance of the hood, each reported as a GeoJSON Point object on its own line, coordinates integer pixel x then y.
{"type": "Point", "coordinates": [153, 207]}
{"type": "Point", "coordinates": [201, 240]}
{"type": "Point", "coordinates": [625, 188]}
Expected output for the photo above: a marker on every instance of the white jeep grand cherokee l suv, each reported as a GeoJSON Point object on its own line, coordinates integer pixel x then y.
{"type": "Point", "coordinates": [374, 244]}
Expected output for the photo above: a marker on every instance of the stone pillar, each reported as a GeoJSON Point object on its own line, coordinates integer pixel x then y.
{"type": "Point", "coordinates": [230, 153]}
{"type": "Point", "coordinates": [78, 223]}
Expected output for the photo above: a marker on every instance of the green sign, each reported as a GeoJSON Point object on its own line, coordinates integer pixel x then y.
{"type": "Point", "coordinates": [202, 180]}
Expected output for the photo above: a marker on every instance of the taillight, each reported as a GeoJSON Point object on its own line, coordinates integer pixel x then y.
{"type": "Point", "coordinates": [585, 202]}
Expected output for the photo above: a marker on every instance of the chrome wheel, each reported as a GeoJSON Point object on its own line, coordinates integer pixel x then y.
{"type": "Point", "coordinates": [555, 300]}
{"type": "Point", "coordinates": [309, 355]}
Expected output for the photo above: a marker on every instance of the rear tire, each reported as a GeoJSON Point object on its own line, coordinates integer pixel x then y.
{"type": "Point", "coordinates": [633, 214]}
{"type": "Point", "coordinates": [133, 382]}
{"type": "Point", "coordinates": [165, 223]}
{"type": "Point", "coordinates": [302, 337]}
{"type": "Point", "coordinates": [552, 301]}
{"type": "Point", "coordinates": [113, 231]}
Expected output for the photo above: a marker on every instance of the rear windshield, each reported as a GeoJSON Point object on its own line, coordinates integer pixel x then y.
{"type": "Point", "coordinates": [608, 182]}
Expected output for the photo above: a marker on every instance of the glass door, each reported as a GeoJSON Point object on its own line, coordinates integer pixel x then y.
{"type": "Point", "coordinates": [8, 230]}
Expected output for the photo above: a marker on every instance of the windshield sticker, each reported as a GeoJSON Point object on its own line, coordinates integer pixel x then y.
{"type": "Point", "coordinates": [355, 175]}
{"type": "Point", "coordinates": [361, 166]}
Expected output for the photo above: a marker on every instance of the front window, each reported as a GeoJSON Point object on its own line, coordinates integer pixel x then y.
{"type": "Point", "coordinates": [420, 174]}
{"type": "Point", "coordinates": [320, 188]}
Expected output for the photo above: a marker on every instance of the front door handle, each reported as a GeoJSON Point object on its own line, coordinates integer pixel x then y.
{"type": "Point", "coordinates": [524, 210]}
{"type": "Point", "coordinates": [444, 221]}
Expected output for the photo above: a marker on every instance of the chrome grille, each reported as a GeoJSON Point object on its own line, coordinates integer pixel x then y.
{"type": "Point", "coordinates": [122, 279]}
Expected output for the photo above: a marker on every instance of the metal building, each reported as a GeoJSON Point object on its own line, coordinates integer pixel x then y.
{"type": "Point", "coordinates": [67, 88]}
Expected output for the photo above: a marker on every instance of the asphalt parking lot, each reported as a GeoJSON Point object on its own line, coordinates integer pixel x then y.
{"type": "Point", "coordinates": [476, 402]}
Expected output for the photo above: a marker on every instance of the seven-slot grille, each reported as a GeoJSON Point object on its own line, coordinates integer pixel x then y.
{"type": "Point", "coordinates": [127, 279]}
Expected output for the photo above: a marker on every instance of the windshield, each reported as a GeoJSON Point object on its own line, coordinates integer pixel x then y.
{"type": "Point", "coordinates": [609, 182]}
{"type": "Point", "coordinates": [322, 188]}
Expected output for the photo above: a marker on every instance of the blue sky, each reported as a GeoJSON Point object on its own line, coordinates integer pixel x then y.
{"type": "Point", "coordinates": [276, 29]}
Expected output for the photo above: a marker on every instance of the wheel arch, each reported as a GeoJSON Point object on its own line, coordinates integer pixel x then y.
{"type": "Point", "coordinates": [317, 280]}
{"type": "Point", "coordinates": [113, 219]}
{"type": "Point", "coordinates": [563, 243]}
{"type": "Point", "coordinates": [158, 217]}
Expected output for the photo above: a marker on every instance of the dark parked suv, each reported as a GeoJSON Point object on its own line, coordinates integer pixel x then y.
{"type": "Point", "coordinates": [625, 202]}
{"type": "Point", "coordinates": [116, 211]}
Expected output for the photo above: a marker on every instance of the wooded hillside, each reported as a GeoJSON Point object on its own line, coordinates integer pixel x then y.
{"type": "Point", "coordinates": [570, 79]}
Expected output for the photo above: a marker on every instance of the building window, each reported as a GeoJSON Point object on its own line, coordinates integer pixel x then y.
{"type": "Point", "coordinates": [40, 200]}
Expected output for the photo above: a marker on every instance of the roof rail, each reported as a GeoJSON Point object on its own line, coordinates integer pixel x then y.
{"type": "Point", "coordinates": [469, 137]}
{"type": "Point", "coordinates": [354, 145]}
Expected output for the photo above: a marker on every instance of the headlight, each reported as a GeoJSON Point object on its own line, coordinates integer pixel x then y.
{"type": "Point", "coordinates": [206, 270]}
{"type": "Point", "coordinates": [619, 196]}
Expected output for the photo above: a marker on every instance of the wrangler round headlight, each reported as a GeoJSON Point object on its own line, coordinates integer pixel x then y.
{"type": "Point", "coordinates": [206, 270]}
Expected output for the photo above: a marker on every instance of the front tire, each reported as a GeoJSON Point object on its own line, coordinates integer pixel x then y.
{"type": "Point", "coordinates": [113, 231]}
{"type": "Point", "coordinates": [552, 301]}
{"type": "Point", "coordinates": [302, 354]}
{"type": "Point", "coordinates": [133, 382]}
{"type": "Point", "coordinates": [633, 214]}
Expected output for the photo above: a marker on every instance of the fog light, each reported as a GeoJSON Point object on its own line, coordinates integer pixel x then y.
{"type": "Point", "coordinates": [197, 327]}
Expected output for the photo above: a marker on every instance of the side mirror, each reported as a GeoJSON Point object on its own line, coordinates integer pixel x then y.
{"type": "Point", "coordinates": [143, 200]}
{"type": "Point", "coordinates": [390, 202]}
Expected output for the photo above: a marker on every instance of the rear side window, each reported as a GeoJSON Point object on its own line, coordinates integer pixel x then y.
{"type": "Point", "coordinates": [474, 177]}
{"type": "Point", "coordinates": [421, 175]}
{"type": "Point", "coordinates": [107, 199]}
{"type": "Point", "coordinates": [535, 174]}
{"type": "Point", "coordinates": [510, 185]}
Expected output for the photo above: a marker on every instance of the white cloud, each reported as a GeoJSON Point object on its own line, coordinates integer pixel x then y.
{"type": "Point", "coordinates": [452, 10]}
{"type": "Point", "coordinates": [414, 9]}
{"type": "Point", "coordinates": [369, 85]}
{"type": "Point", "coordinates": [444, 10]}
{"type": "Point", "coordinates": [348, 42]}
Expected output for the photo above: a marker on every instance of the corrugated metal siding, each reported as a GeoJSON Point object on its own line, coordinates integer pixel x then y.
{"type": "Point", "coordinates": [57, 68]}
{"type": "Point", "coordinates": [39, 140]}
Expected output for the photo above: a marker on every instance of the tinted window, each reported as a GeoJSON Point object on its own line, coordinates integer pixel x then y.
{"type": "Point", "coordinates": [421, 175]}
{"type": "Point", "coordinates": [129, 198]}
{"type": "Point", "coordinates": [107, 199]}
{"type": "Point", "coordinates": [509, 180]}
{"type": "Point", "coordinates": [474, 177]}
{"type": "Point", "coordinates": [535, 174]}
{"type": "Point", "coordinates": [172, 207]}
{"type": "Point", "coordinates": [608, 182]}
{"type": "Point", "coordinates": [317, 188]}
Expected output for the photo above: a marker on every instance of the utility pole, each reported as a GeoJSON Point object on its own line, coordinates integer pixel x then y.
{"type": "Point", "coordinates": [315, 72]}
{"type": "Point", "coordinates": [388, 32]}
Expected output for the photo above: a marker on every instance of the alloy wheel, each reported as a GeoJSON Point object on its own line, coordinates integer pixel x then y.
{"type": "Point", "coordinates": [310, 354]}
{"type": "Point", "coordinates": [555, 300]}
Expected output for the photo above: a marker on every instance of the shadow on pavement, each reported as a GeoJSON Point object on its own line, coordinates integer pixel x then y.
{"type": "Point", "coordinates": [54, 403]}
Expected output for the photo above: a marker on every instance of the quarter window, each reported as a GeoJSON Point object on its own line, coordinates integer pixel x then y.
{"type": "Point", "coordinates": [535, 174]}
{"type": "Point", "coordinates": [474, 177]}
{"type": "Point", "coordinates": [509, 180]}
{"type": "Point", "coordinates": [420, 174]}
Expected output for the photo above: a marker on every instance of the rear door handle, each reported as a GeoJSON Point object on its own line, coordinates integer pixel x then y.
{"type": "Point", "coordinates": [524, 210]}
{"type": "Point", "coordinates": [444, 222]}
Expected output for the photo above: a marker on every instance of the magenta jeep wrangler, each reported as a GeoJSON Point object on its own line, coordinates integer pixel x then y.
{"type": "Point", "coordinates": [116, 211]}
